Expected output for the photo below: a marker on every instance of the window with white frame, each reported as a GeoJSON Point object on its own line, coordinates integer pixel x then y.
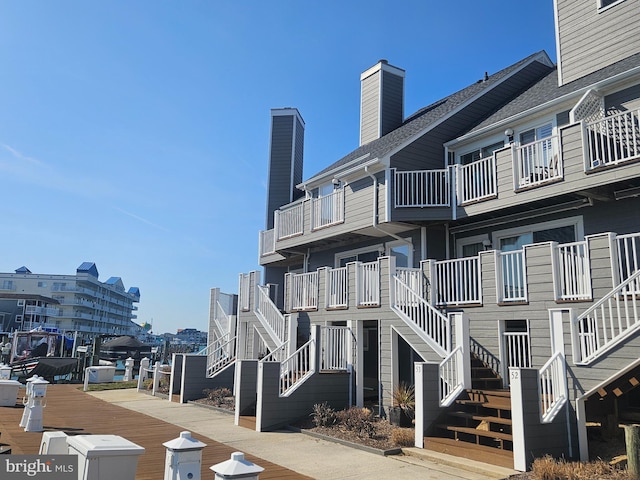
{"type": "Point", "coordinates": [479, 153]}
{"type": "Point", "coordinates": [471, 246]}
{"type": "Point", "coordinates": [365, 254]}
{"type": "Point", "coordinates": [403, 253]}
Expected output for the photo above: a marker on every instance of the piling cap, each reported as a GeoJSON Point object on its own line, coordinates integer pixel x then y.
{"type": "Point", "coordinates": [236, 466]}
{"type": "Point", "coordinates": [184, 442]}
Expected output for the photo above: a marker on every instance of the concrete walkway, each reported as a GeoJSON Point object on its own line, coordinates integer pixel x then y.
{"type": "Point", "coordinates": [302, 453]}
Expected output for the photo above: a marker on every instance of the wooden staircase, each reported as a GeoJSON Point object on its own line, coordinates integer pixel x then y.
{"type": "Point", "coordinates": [478, 425]}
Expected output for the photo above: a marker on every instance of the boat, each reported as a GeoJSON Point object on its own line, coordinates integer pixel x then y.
{"type": "Point", "coordinates": [123, 347]}
{"type": "Point", "coordinates": [34, 353]}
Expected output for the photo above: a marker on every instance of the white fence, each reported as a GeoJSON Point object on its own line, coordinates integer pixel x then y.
{"type": "Point", "coordinates": [270, 314]}
{"type": "Point", "coordinates": [517, 349]}
{"type": "Point", "coordinates": [422, 188]}
{"type": "Point", "coordinates": [336, 343]}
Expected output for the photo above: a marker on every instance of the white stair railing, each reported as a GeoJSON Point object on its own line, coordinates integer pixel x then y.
{"type": "Point", "coordinates": [278, 355]}
{"type": "Point", "coordinates": [297, 368]}
{"type": "Point", "coordinates": [270, 316]}
{"type": "Point", "coordinates": [426, 320]}
{"type": "Point", "coordinates": [219, 355]}
{"type": "Point", "coordinates": [609, 321]}
{"type": "Point", "coordinates": [552, 387]}
{"type": "Point", "coordinates": [451, 376]}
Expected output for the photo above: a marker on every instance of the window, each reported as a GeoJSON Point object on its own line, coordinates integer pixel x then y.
{"type": "Point", "coordinates": [471, 246]}
{"type": "Point", "coordinates": [480, 153]}
{"type": "Point", "coordinates": [561, 231]}
{"type": "Point", "coordinates": [403, 252]}
{"type": "Point", "coordinates": [42, 284]}
{"type": "Point", "coordinates": [7, 285]}
{"type": "Point", "coordinates": [21, 303]}
{"type": "Point", "coordinates": [607, 3]}
{"type": "Point", "coordinates": [366, 254]}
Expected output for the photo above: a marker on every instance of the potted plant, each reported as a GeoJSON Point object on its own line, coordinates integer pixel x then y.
{"type": "Point", "coordinates": [404, 402]}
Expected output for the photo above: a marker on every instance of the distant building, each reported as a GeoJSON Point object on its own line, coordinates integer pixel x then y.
{"type": "Point", "coordinates": [191, 335]}
{"type": "Point", "coordinates": [79, 302]}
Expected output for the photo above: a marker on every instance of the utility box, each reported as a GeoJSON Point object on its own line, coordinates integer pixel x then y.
{"type": "Point", "coordinates": [183, 459]}
{"type": "Point", "coordinates": [54, 443]}
{"type": "Point", "coordinates": [5, 372]}
{"type": "Point", "coordinates": [101, 374]}
{"type": "Point", "coordinates": [105, 457]}
{"type": "Point", "coordinates": [9, 392]}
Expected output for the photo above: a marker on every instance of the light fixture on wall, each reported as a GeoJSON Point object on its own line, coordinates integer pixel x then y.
{"type": "Point", "coordinates": [336, 182]}
{"type": "Point", "coordinates": [487, 245]}
{"type": "Point", "coordinates": [509, 133]}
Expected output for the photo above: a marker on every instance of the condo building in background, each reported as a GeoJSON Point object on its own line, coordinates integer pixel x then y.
{"type": "Point", "coordinates": [72, 303]}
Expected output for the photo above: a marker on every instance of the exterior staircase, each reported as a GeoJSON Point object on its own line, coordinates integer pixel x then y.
{"type": "Point", "coordinates": [477, 425]}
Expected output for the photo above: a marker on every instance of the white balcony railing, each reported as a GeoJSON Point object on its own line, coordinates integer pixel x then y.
{"type": "Point", "coordinates": [335, 347]}
{"type": "Point", "coordinates": [337, 290]}
{"type": "Point", "coordinates": [267, 242]}
{"type": "Point", "coordinates": [289, 222]}
{"type": "Point", "coordinates": [368, 284]}
{"type": "Point", "coordinates": [304, 291]}
{"type": "Point", "coordinates": [512, 276]}
{"type": "Point", "coordinates": [422, 188]}
{"type": "Point", "coordinates": [573, 275]}
{"type": "Point", "coordinates": [477, 181]}
{"type": "Point", "coordinates": [413, 278]}
{"type": "Point", "coordinates": [457, 282]}
{"type": "Point", "coordinates": [538, 162]}
{"type": "Point", "coordinates": [328, 210]}
{"type": "Point", "coordinates": [613, 139]}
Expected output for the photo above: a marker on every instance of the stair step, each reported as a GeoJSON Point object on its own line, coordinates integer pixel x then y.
{"type": "Point", "coordinates": [480, 453]}
{"type": "Point", "coordinates": [486, 418]}
{"type": "Point", "coordinates": [477, 432]}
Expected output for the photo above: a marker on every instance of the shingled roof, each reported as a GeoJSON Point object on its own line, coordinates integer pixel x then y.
{"type": "Point", "coordinates": [427, 117]}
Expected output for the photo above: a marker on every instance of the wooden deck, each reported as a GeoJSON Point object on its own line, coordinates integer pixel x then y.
{"type": "Point", "coordinates": [70, 410]}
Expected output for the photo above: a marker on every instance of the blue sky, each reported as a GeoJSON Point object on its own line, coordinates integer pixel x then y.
{"type": "Point", "coordinates": [135, 134]}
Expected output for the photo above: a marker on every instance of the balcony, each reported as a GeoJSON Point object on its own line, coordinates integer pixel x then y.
{"type": "Point", "coordinates": [612, 140]}
{"type": "Point", "coordinates": [537, 163]}
{"type": "Point", "coordinates": [422, 188]}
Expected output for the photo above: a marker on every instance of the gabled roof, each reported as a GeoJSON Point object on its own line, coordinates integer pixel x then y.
{"type": "Point", "coordinates": [116, 282]}
{"type": "Point", "coordinates": [88, 267]}
{"type": "Point", "coordinates": [426, 118]}
{"type": "Point", "coordinates": [23, 269]}
{"type": "Point", "coordinates": [547, 91]}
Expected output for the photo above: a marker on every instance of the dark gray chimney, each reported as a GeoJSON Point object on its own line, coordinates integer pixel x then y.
{"type": "Point", "coordinates": [381, 101]}
{"type": "Point", "coordinates": [285, 159]}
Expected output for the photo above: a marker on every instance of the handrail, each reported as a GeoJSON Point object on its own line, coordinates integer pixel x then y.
{"type": "Point", "coordinates": [277, 354]}
{"type": "Point", "coordinates": [272, 319]}
{"type": "Point", "coordinates": [221, 357]}
{"type": "Point", "coordinates": [607, 322]}
{"type": "Point", "coordinates": [451, 376]}
{"type": "Point", "coordinates": [297, 368]}
{"type": "Point", "coordinates": [425, 319]}
{"type": "Point", "coordinates": [552, 387]}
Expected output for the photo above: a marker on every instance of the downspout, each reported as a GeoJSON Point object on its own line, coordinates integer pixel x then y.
{"type": "Point", "coordinates": [374, 222]}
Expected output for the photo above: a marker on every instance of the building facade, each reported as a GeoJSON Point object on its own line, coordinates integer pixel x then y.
{"type": "Point", "coordinates": [485, 249]}
{"type": "Point", "coordinates": [72, 303]}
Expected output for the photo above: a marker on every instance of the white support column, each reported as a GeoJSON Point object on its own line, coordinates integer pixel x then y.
{"type": "Point", "coordinates": [461, 328]}
{"type": "Point", "coordinates": [581, 420]}
{"type": "Point", "coordinates": [292, 333]}
{"type": "Point", "coordinates": [517, 419]}
{"type": "Point", "coordinates": [358, 330]}
{"type": "Point", "coordinates": [419, 408]}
